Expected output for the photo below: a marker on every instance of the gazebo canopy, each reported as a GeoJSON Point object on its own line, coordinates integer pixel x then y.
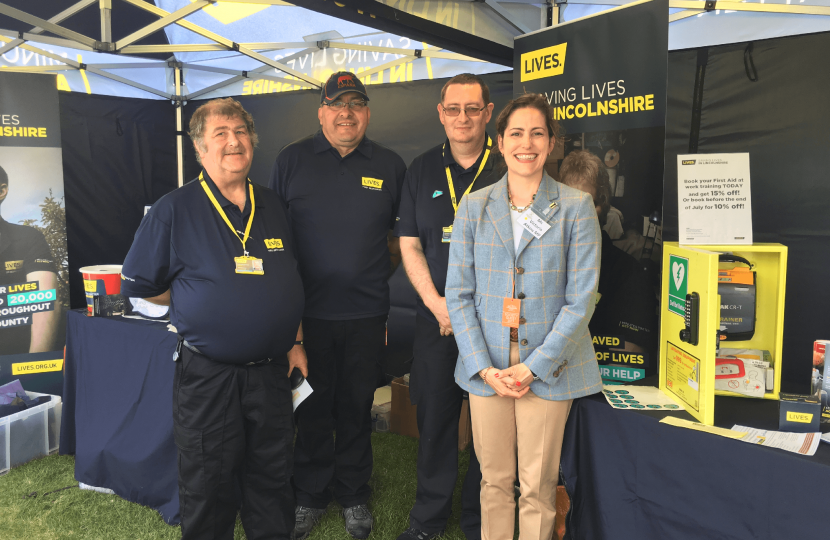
{"type": "Point", "coordinates": [141, 48]}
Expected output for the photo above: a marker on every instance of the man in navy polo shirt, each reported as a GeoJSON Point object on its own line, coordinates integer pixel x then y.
{"type": "Point", "coordinates": [219, 251]}
{"type": "Point", "coordinates": [343, 192]}
{"type": "Point", "coordinates": [435, 183]}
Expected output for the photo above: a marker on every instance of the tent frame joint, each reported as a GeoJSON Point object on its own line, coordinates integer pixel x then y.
{"type": "Point", "coordinates": [711, 5]}
{"type": "Point", "coordinates": [103, 46]}
{"type": "Point", "coordinates": [323, 44]}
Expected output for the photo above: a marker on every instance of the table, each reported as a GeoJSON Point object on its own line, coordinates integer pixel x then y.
{"type": "Point", "coordinates": [117, 408]}
{"type": "Point", "coordinates": [630, 477]}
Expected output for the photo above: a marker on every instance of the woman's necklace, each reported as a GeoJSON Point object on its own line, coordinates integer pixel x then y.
{"type": "Point", "coordinates": [516, 208]}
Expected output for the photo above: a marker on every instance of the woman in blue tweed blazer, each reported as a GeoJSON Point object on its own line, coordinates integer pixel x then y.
{"type": "Point", "coordinates": [524, 253]}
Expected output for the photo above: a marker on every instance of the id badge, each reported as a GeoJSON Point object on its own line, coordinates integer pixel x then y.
{"type": "Point", "coordinates": [510, 312]}
{"type": "Point", "coordinates": [446, 237]}
{"type": "Point", "coordinates": [249, 265]}
{"type": "Point", "coordinates": [534, 224]}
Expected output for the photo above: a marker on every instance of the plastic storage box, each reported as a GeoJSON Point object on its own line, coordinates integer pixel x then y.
{"type": "Point", "coordinates": [31, 433]}
{"type": "Point", "coordinates": [381, 417]}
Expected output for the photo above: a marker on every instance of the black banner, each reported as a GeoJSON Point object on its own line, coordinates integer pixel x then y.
{"type": "Point", "coordinates": [606, 77]}
{"type": "Point", "coordinates": [33, 253]}
{"type": "Point", "coordinates": [604, 72]}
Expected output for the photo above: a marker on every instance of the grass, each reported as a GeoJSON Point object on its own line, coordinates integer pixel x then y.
{"type": "Point", "coordinates": [88, 515]}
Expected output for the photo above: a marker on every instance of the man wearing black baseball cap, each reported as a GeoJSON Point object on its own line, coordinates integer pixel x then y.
{"type": "Point", "coordinates": [342, 192]}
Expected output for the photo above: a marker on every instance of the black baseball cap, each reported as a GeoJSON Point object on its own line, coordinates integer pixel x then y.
{"type": "Point", "coordinates": [339, 83]}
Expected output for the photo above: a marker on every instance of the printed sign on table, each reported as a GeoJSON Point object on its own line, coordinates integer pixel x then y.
{"type": "Point", "coordinates": [713, 199]}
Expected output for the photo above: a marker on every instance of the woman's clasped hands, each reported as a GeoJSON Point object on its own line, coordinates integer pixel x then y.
{"type": "Point", "coordinates": [511, 382]}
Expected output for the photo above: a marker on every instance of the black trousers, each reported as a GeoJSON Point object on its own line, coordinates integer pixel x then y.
{"type": "Point", "coordinates": [438, 397]}
{"type": "Point", "coordinates": [343, 362]}
{"type": "Point", "coordinates": [233, 428]}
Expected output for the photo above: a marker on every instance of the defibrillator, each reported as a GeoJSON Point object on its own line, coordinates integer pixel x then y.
{"type": "Point", "coordinates": [736, 288]}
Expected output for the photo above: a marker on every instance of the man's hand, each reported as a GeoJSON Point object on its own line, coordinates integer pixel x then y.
{"type": "Point", "coordinates": [438, 307]}
{"type": "Point", "coordinates": [417, 269]}
{"type": "Point", "coordinates": [298, 359]}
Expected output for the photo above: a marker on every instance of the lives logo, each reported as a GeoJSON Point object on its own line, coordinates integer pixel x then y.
{"type": "Point", "coordinates": [272, 244]}
{"type": "Point", "coordinates": [372, 183]}
{"type": "Point", "coordinates": [543, 63]}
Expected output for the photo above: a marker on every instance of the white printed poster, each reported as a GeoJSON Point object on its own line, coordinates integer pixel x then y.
{"type": "Point", "coordinates": [714, 199]}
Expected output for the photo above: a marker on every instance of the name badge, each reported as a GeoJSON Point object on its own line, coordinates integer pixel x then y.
{"type": "Point", "coordinates": [534, 224]}
{"type": "Point", "coordinates": [446, 236]}
{"type": "Point", "coordinates": [510, 312]}
{"type": "Point", "coordinates": [249, 265]}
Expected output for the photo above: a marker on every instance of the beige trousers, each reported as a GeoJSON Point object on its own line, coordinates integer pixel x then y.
{"type": "Point", "coordinates": [527, 431]}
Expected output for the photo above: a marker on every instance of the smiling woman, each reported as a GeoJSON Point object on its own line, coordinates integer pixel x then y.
{"type": "Point", "coordinates": [520, 295]}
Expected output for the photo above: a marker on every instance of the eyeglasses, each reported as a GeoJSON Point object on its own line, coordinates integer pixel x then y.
{"type": "Point", "coordinates": [356, 105]}
{"type": "Point", "coordinates": [470, 111]}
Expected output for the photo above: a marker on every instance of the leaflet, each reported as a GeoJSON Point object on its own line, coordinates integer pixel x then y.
{"type": "Point", "coordinates": [639, 398]}
{"type": "Point", "coordinates": [688, 424]}
{"type": "Point", "coordinates": [800, 443]}
{"type": "Point", "coordinates": [299, 394]}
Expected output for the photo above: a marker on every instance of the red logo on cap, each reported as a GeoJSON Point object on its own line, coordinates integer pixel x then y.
{"type": "Point", "coordinates": [345, 80]}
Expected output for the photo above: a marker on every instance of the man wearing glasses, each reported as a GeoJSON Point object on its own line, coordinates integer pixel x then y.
{"type": "Point", "coordinates": [342, 192]}
{"type": "Point", "coordinates": [435, 183]}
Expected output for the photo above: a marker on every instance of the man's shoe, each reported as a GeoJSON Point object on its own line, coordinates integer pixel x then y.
{"type": "Point", "coordinates": [416, 534]}
{"type": "Point", "coordinates": [358, 521]}
{"type": "Point", "coordinates": [305, 519]}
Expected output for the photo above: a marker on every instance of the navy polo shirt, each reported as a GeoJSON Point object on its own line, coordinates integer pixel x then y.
{"type": "Point", "coordinates": [426, 206]}
{"type": "Point", "coordinates": [341, 211]}
{"type": "Point", "coordinates": [184, 245]}
{"type": "Point", "coordinates": [23, 250]}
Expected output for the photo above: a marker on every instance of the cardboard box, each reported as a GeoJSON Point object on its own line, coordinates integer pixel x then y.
{"type": "Point", "coordinates": [404, 420]}
{"type": "Point", "coordinates": [799, 413]}
{"type": "Point", "coordinates": [465, 426]}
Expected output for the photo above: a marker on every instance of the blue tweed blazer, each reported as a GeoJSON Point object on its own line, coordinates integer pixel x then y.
{"type": "Point", "coordinates": [558, 274]}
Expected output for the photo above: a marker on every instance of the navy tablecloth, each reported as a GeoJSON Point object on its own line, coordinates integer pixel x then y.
{"type": "Point", "coordinates": [630, 477]}
{"type": "Point", "coordinates": [117, 408]}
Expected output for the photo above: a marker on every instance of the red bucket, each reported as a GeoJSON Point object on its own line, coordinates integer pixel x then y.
{"type": "Point", "coordinates": [100, 281]}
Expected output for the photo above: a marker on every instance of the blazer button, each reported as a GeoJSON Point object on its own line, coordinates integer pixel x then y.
{"type": "Point", "coordinates": [524, 342]}
{"type": "Point", "coordinates": [522, 320]}
{"type": "Point", "coordinates": [565, 363]}
{"type": "Point", "coordinates": [520, 296]}
{"type": "Point", "coordinates": [556, 373]}
{"type": "Point", "coordinates": [520, 270]}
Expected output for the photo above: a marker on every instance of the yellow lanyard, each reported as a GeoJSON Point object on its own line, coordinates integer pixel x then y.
{"type": "Point", "coordinates": [225, 217]}
{"type": "Point", "coordinates": [480, 168]}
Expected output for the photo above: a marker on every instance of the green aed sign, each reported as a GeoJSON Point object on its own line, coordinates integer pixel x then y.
{"type": "Point", "coordinates": [678, 284]}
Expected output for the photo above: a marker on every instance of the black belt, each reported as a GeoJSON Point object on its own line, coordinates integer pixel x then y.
{"type": "Point", "coordinates": [193, 349]}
